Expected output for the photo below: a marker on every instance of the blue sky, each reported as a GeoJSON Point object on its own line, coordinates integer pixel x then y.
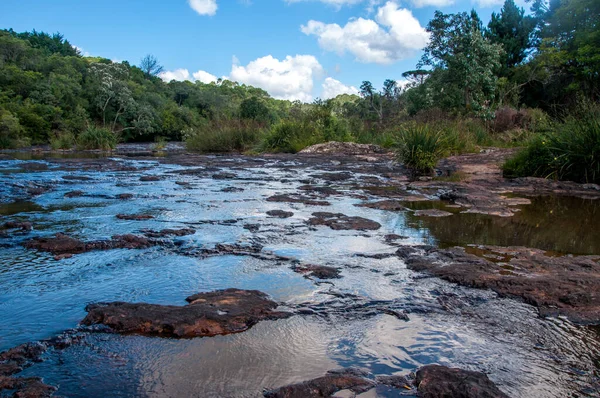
{"type": "Point", "coordinates": [266, 43]}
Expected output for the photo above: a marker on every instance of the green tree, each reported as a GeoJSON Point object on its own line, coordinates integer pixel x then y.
{"type": "Point", "coordinates": [513, 31]}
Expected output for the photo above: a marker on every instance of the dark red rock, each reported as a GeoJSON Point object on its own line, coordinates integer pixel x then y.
{"type": "Point", "coordinates": [65, 246]}
{"type": "Point", "coordinates": [224, 176]}
{"type": "Point", "coordinates": [326, 386]}
{"type": "Point", "coordinates": [319, 271]}
{"type": "Point", "coordinates": [434, 381]}
{"type": "Point", "coordinates": [134, 217]}
{"type": "Point", "coordinates": [232, 189]}
{"type": "Point", "coordinates": [556, 285]}
{"type": "Point", "coordinates": [207, 314]}
{"type": "Point", "coordinates": [23, 226]}
{"type": "Point", "coordinates": [74, 194]}
{"type": "Point", "coordinates": [150, 178]}
{"type": "Point", "coordinates": [280, 214]}
{"type": "Point", "coordinates": [319, 190]}
{"type": "Point", "coordinates": [169, 232]}
{"type": "Point", "coordinates": [297, 199]}
{"type": "Point", "coordinates": [392, 205]}
{"type": "Point", "coordinates": [31, 387]}
{"type": "Point", "coordinates": [338, 221]}
{"type": "Point", "coordinates": [343, 176]}
{"type": "Point", "coordinates": [125, 196]}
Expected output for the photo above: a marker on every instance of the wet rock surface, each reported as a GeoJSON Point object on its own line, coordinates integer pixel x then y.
{"type": "Point", "coordinates": [347, 148]}
{"type": "Point", "coordinates": [280, 214]}
{"type": "Point", "coordinates": [338, 221]}
{"type": "Point", "coordinates": [64, 245]}
{"type": "Point", "coordinates": [434, 381]}
{"type": "Point", "coordinates": [334, 381]}
{"type": "Point", "coordinates": [556, 285]}
{"type": "Point", "coordinates": [432, 213]}
{"type": "Point", "coordinates": [297, 199]}
{"type": "Point", "coordinates": [134, 217]}
{"type": "Point", "coordinates": [169, 232]}
{"type": "Point", "coordinates": [319, 271]}
{"type": "Point", "coordinates": [207, 314]}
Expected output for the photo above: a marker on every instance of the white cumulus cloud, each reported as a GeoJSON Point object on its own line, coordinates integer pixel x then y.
{"type": "Point", "coordinates": [395, 34]}
{"type": "Point", "coordinates": [332, 88]}
{"type": "Point", "coordinates": [184, 74]}
{"type": "Point", "coordinates": [204, 77]}
{"type": "Point", "coordinates": [489, 3]}
{"type": "Point", "coordinates": [434, 3]}
{"type": "Point", "coordinates": [204, 7]}
{"type": "Point", "coordinates": [291, 78]}
{"type": "Point", "coordinates": [336, 3]}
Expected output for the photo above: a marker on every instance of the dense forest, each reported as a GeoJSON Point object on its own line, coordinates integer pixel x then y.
{"type": "Point", "coordinates": [528, 79]}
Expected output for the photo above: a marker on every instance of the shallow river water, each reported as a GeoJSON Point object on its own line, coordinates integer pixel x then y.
{"type": "Point", "coordinates": [526, 356]}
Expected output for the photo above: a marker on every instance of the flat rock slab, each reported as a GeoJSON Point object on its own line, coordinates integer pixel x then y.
{"type": "Point", "coordinates": [169, 232]}
{"type": "Point", "coordinates": [390, 205]}
{"type": "Point", "coordinates": [280, 214]}
{"type": "Point", "coordinates": [319, 271]}
{"type": "Point", "coordinates": [432, 213]}
{"type": "Point", "coordinates": [64, 245]}
{"type": "Point", "coordinates": [556, 285]}
{"type": "Point", "coordinates": [326, 386]}
{"type": "Point", "coordinates": [347, 148]}
{"type": "Point", "coordinates": [135, 217]}
{"type": "Point", "coordinates": [434, 381]}
{"type": "Point", "coordinates": [207, 314]}
{"type": "Point", "coordinates": [338, 222]}
{"type": "Point", "coordinates": [298, 199]}
{"type": "Point", "coordinates": [30, 387]}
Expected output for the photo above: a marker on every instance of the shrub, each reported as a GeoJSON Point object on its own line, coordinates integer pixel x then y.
{"type": "Point", "coordinates": [160, 143]}
{"type": "Point", "coordinates": [11, 132]}
{"type": "Point", "coordinates": [289, 136]}
{"type": "Point", "coordinates": [97, 138]}
{"type": "Point", "coordinates": [420, 147]}
{"type": "Point", "coordinates": [63, 140]}
{"type": "Point", "coordinates": [571, 152]}
{"type": "Point", "coordinates": [224, 136]}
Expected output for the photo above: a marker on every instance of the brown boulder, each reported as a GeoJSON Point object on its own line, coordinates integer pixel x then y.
{"type": "Point", "coordinates": [326, 386]}
{"type": "Point", "coordinates": [434, 381]}
{"type": "Point", "coordinates": [338, 221]}
{"type": "Point", "coordinates": [207, 314]}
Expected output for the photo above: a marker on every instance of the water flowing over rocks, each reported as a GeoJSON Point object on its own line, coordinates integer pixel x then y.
{"type": "Point", "coordinates": [207, 314]}
{"type": "Point", "coordinates": [338, 222]}
{"type": "Point", "coordinates": [556, 285]}
{"type": "Point", "coordinates": [319, 271]}
{"type": "Point", "coordinates": [298, 199]}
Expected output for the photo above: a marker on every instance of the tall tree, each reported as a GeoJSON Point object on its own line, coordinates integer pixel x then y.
{"type": "Point", "coordinates": [513, 31]}
{"type": "Point", "coordinates": [150, 66]}
{"type": "Point", "coordinates": [462, 59]}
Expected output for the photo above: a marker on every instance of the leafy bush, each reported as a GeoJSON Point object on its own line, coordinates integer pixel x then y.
{"type": "Point", "coordinates": [160, 143]}
{"type": "Point", "coordinates": [420, 147]}
{"type": "Point", "coordinates": [63, 140]}
{"type": "Point", "coordinates": [11, 132]}
{"type": "Point", "coordinates": [571, 152]}
{"type": "Point", "coordinates": [224, 136]}
{"type": "Point", "coordinates": [97, 138]}
{"type": "Point", "coordinates": [289, 136]}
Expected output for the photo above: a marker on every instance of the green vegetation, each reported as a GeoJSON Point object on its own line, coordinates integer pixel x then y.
{"type": "Point", "coordinates": [97, 138]}
{"type": "Point", "coordinates": [517, 81]}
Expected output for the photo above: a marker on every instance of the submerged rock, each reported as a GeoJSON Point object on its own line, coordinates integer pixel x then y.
{"type": "Point", "coordinates": [169, 232]}
{"type": "Point", "coordinates": [135, 217]}
{"type": "Point", "coordinates": [280, 214]}
{"type": "Point", "coordinates": [150, 178]}
{"type": "Point", "coordinates": [392, 205]}
{"type": "Point", "coordinates": [21, 226]}
{"type": "Point", "coordinates": [74, 194]}
{"type": "Point", "coordinates": [125, 196]}
{"type": "Point", "coordinates": [319, 271]}
{"type": "Point", "coordinates": [297, 199]}
{"type": "Point", "coordinates": [207, 314]}
{"type": "Point", "coordinates": [434, 381]}
{"type": "Point", "coordinates": [334, 381]}
{"type": "Point", "coordinates": [30, 387]}
{"type": "Point", "coordinates": [556, 285]}
{"type": "Point", "coordinates": [343, 176]}
{"type": "Point", "coordinates": [338, 221]}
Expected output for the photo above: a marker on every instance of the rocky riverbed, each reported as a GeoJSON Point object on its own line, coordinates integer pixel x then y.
{"type": "Point", "coordinates": [318, 274]}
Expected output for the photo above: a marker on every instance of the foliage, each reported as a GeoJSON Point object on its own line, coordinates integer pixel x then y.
{"type": "Point", "coordinates": [97, 138]}
{"type": "Point", "coordinates": [290, 136]}
{"type": "Point", "coordinates": [64, 140]}
{"type": "Point", "coordinates": [224, 136]}
{"type": "Point", "coordinates": [571, 152]}
{"type": "Point", "coordinates": [420, 147]}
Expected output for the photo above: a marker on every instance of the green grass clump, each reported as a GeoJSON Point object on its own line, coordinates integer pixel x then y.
{"type": "Point", "coordinates": [570, 152]}
{"type": "Point", "coordinates": [224, 136]}
{"type": "Point", "coordinates": [63, 140]}
{"type": "Point", "coordinates": [290, 137]}
{"type": "Point", "coordinates": [97, 138]}
{"type": "Point", "coordinates": [420, 147]}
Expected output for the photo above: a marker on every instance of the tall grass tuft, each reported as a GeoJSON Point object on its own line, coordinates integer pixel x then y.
{"type": "Point", "coordinates": [420, 147]}
{"type": "Point", "coordinates": [570, 152]}
{"type": "Point", "coordinates": [63, 140]}
{"type": "Point", "coordinates": [224, 136]}
{"type": "Point", "coordinates": [97, 138]}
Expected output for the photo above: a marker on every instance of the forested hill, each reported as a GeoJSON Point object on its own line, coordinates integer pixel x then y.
{"type": "Point", "coordinates": [515, 73]}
